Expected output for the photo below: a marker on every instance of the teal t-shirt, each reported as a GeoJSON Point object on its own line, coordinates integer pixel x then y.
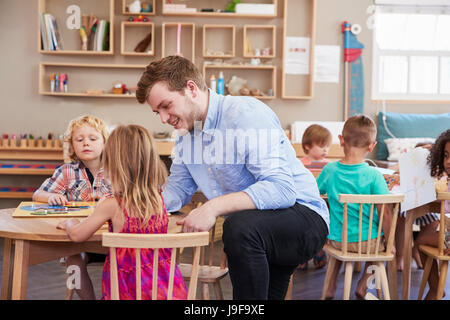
{"type": "Point", "coordinates": [337, 178]}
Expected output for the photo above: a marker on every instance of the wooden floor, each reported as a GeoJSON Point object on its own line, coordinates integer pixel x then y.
{"type": "Point", "coordinates": [47, 281]}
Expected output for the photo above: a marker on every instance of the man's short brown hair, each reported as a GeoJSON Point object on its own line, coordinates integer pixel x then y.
{"type": "Point", "coordinates": [359, 131]}
{"type": "Point", "coordinates": [175, 71]}
{"type": "Point", "coordinates": [316, 134]}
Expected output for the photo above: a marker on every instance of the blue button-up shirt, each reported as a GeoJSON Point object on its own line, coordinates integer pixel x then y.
{"type": "Point", "coordinates": [240, 147]}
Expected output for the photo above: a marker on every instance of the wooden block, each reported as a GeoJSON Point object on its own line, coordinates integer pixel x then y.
{"type": "Point", "coordinates": [23, 143]}
{"type": "Point", "coordinates": [39, 143]}
{"type": "Point", "coordinates": [48, 144]}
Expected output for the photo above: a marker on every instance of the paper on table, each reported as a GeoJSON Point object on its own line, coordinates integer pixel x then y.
{"type": "Point", "coordinates": [416, 182]}
{"type": "Point", "coordinates": [297, 55]}
{"type": "Point", "coordinates": [326, 63]}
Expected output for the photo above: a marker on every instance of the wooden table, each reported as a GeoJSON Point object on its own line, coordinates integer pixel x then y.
{"type": "Point", "coordinates": [30, 241]}
{"type": "Point", "coordinates": [412, 215]}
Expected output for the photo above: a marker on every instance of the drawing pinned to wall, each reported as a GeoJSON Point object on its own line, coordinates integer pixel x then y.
{"type": "Point", "coordinates": [297, 55]}
{"type": "Point", "coordinates": [416, 182]}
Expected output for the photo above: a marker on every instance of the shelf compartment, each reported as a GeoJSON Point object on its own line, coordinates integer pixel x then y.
{"type": "Point", "coordinates": [218, 39]}
{"type": "Point", "coordinates": [126, 3]}
{"type": "Point", "coordinates": [262, 77]}
{"type": "Point", "coordinates": [186, 41]}
{"type": "Point", "coordinates": [215, 5]}
{"type": "Point", "coordinates": [259, 38]}
{"type": "Point", "coordinates": [130, 39]}
{"type": "Point", "coordinates": [298, 22]}
{"type": "Point", "coordinates": [102, 9]}
{"type": "Point", "coordinates": [81, 79]}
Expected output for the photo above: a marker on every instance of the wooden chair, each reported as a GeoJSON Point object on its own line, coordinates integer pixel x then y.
{"type": "Point", "coordinates": [379, 257]}
{"type": "Point", "coordinates": [210, 271]}
{"type": "Point", "coordinates": [437, 253]}
{"type": "Point", "coordinates": [155, 241]}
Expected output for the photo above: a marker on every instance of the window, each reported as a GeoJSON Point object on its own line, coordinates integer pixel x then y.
{"type": "Point", "coordinates": [411, 53]}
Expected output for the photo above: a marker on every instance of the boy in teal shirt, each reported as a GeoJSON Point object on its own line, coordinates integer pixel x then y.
{"type": "Point", "coordinates": [352, 175]}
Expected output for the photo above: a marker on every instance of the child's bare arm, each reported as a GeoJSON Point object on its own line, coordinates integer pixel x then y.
{"type": "Point", "coordinates": [79, 231]}
{"type": "Point", "coordinates": [51, 198]}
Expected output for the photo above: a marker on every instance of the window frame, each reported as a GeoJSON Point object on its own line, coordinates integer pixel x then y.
{"type": "Point", "coordinates": [407, 97]}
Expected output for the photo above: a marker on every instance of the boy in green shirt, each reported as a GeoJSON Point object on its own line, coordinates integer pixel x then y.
{"type": "Point", "coordinates": [352, 175]}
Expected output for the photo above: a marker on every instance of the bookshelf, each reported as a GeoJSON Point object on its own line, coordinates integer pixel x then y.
{"type": "Point", "coordinates": [83, 80]}
{"type": "Point", "coordinates": [222, 49]}
{"type": "Point", "coordinates": [127, 3]}
{"type": "Point", "coordinates": [178, 37]}
{"type": "Point", "coordinates": [262, 77]}
{"type": "Point", "coordinates": [261, 38]}
{"type": "Point", "coordinates": [70, 38]}
{"type": "Point", "coordinates": [193, 8]}
{"type": "Point", "coordinates": [298, 22]}
{"type": "Point", "coordinates": [132, 34]}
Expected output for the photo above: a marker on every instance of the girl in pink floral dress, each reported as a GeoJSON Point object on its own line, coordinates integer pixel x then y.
{"type": "Point", "coordinates": [136, 173]}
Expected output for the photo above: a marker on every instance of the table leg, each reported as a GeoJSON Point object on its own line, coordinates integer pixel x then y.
{"type": "Point", "coordinates": [407, 247]}
{"type": "Point", "coordinates": [20, 275]}
{"type": "Point", "coordinates": [392, 278]}
{"type": "Point", "coordinates": [6, 269]}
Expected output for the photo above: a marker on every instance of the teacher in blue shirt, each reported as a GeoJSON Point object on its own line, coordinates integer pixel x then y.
{"type": "Point", "coordinates": [234, 150]}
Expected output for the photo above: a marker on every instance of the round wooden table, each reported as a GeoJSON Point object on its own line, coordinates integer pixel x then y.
{"type": "Point", "coordinates": [30, 241]}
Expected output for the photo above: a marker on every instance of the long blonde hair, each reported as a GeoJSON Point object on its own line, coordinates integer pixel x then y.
{"type": "Point", "coordinates": [137, 174]}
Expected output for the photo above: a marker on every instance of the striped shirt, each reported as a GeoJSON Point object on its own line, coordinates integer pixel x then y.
{"type": "Point", "coordinates": [72, 180]}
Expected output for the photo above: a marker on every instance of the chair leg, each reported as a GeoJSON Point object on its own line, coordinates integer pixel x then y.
{"type": "Point", "coordinates": [326, 282]}
{"type": "Point", "coordinates": [426, 274]}
{"type": "Point", "coordinates": [348, 280]}
{"type": "Point", "coordinates": [442, 279]}
{"type": "Point", "coordinates": [205, 291]}
{"type": "Point", "coordinates": [69, 294]}
{"type": "Point", "coordinates": [384, 280]}
{"type": "Point", "coordinates": [218, 290]}
{"type": "Point", "coordinates": [358, 265]}
{"type": "Point", "coordinates": [289, 290]}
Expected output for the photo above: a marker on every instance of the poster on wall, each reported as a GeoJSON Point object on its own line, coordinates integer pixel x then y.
{"type": "Point", "coordinates": [327, 63]}
{"type": "Point", "coordinates": [297, 55]}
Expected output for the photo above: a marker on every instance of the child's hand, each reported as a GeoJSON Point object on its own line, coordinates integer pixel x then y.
{"type": "Point", "coordinates": [57, 199]}
{"type": "Point", "coordinates": [61, 225]}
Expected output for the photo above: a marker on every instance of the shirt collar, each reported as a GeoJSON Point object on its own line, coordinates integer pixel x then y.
{"type": "Point", "coordinates": [80, 165]}
{"type": "Point", "coordinates": [212, 116]}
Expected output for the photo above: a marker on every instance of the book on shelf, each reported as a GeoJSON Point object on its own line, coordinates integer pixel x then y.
{"type": "Point", "coordinates": [101, 38]}
{"type": "Point", "coordinates": [51, 38]}
{"type": "Point", "coordinates": [44, 38]}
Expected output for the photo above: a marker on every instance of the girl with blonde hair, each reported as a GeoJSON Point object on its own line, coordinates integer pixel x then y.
{"type": "Point", "coordinates": [132, 164]}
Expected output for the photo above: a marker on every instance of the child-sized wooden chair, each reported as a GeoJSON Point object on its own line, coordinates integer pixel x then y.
{"type": "Point", "coordinates": [437, 253]}
{"type": "Point", "coordinates": [210, 271]}
{"type": "Point", "coordinates": [378, 256]}
{"type": "Point", "coordinates": [155, 241]}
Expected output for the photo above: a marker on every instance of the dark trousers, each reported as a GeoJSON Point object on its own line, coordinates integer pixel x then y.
{"type": "Point", "coordinates": [264, 247]}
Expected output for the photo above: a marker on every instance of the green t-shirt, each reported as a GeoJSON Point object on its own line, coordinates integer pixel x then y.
{"type": "Point", "coordinates": [337, 178]}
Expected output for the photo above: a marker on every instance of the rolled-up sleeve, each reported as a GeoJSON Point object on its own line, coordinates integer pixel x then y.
{"type": "Point", "coordinates": [274, 187]}
{"type": "Point", "coordinates": [179, 188]}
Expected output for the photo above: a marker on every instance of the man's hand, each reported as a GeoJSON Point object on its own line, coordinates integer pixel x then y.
{"type": "Point", "coordinates": [57, 199]}
{"type": "Point", "coordinates": [199, 219]}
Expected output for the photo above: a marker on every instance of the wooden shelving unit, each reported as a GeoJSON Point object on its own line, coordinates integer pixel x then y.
{"type": "Point", "coordinates": [298, 23]}
{"type": "Point", "coordinates": [102, 9]}
{"type": "Point", "coordinates": [259, 37]}
{"type": "Point", "coordinates": [264, 80]}
{"type": "Point", "coordinates": [129, 40]}
{"type": "Point", "coordinates": [79, 78]}
{"type": "Point", "coordinates": [215, 6]}
{"type": "Point", "coordinates": [126, 3]}
{"type": "Point", "coordinates": [226, 44]}
{"type": "Point", "coordinates": [178, 37]}
{"type": "Point", "coordinates": [28, 149]}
